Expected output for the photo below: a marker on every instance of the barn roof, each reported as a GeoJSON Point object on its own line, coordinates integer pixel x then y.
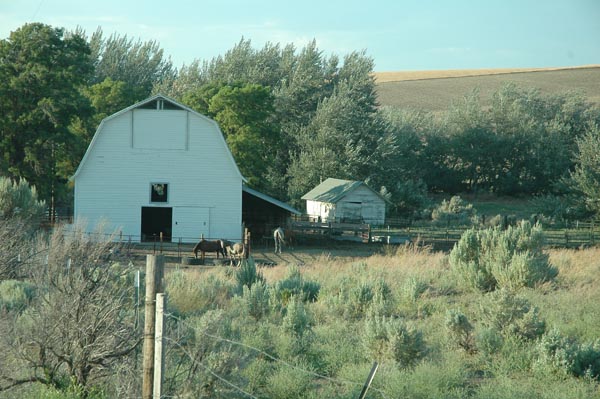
{"type": "Point", "coordinates": [332, 190]}
{"type": "Point", "coordinates": [272, 200]}
{"type": "Point", "coordinates": [169, 104]}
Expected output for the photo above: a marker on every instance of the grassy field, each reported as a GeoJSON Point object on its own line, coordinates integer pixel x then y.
{"type": "Point", "coordinates": [325, 348]}
{"type": "Point", "coordinates": [437, 90]}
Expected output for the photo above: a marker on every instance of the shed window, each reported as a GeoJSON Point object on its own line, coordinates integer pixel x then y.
{"type": "Point", "coordinates": [159, 192]}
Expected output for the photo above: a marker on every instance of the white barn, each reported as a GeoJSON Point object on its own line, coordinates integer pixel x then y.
{"type": "Point", "coordinates": [344, 200]}
{"type": "Point", "coordinates": [160, 167]}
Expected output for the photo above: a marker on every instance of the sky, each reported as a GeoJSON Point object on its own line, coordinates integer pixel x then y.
{"type": "Point", "coordinates": [399, 35]}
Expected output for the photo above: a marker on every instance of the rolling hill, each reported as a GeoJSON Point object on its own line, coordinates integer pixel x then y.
{"type": "Point", "coordinates": [437, 90]}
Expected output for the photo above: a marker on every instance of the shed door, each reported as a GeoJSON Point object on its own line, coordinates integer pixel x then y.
{"type": "Point", "coordinates": [190, 223]}
{"type": "Point", "coordinates": [352, 211]}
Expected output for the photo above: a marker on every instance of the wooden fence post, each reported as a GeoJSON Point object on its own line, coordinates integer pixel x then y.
{"type": "Point", "coordinates": [159, 355]}
{"type": "Point", "coordinates": [154, 273]}
{"type": "Point", "coordinates": [246, 241]}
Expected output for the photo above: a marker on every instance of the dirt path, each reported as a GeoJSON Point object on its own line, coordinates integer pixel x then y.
{"type": "Point", "coordinates": [265, 256]}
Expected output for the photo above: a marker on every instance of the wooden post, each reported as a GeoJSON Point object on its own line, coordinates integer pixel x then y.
{"type": "Point", "coordinates": [158, 345]}
{"type": "Point", "coordinates": [154, 273]}
{"type": "Point", "coordinates": [246, 242]}
{"type": "Point", "coordinates": [179, 249]}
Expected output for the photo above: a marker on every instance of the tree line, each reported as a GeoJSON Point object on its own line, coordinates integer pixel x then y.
{"type": "Point", "coordinates": [292, 117]}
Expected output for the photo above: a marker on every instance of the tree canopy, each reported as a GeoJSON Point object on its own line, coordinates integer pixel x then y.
{"type": "Point", "coordinates": [291, 117]}
{"type": "Point", "coordinates": [42, 70]}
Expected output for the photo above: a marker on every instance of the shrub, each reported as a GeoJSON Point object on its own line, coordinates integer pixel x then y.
{"type": "Point", "coordinates": [196, 296]}
{"type": "Point", "coordinates": [294, 284]}
{"type": "Point", "coordinates": [296, 320]}
{"type": "Point", "coordinates": [247, 274]}
{"type": "Point", "coordinates": [289, 383]}
{"type": "Point", "coordinates": [412, 288]}
{"type": "Point", "coordinates": [392, 339]}
{"type": "Point", "coordinates": [20, 201]}
{"type": "Point", "coordinates": [456, 211]}
{"type": "Point", "coordinates": [460, 330]}
{"type": "Point", "coordinates": [568, 356]}
{"type": "Point", "coordinates": [354, 297]}
{"type": "Point", "coordinates": [488, 341]}
{"type": "Point", "coordinates": [15, 295]}
{"type": "Point", "coordinates": [256, 300]}
{"type": "Point", "coordinates": [511, 315]}
{"type": "Point", "coordinates": [494, 258]}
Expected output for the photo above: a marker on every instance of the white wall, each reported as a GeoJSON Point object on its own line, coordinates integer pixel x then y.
{"type": "Point", "coordinates": [364, 203]}
{"type": "Point", "coordinates": [114, 182]}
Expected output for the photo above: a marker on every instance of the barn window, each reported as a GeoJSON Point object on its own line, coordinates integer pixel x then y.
{"type": "Point", "coordinates": [160, 104]}
{"type": "Point", "coordinates": [159, 192]}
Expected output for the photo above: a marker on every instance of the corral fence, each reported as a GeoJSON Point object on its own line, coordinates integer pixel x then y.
{"type": "Point", "coordinates": [574, 234]}
{"type": "Point", "coordinates": [343, 231]}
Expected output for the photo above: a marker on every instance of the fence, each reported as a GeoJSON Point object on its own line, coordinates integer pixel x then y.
{"type": "Point", "coordinates": [360, 232]}
{"type": "Point", "coordinates": [574, 235]}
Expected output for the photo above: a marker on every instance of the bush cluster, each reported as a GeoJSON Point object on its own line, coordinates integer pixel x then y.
{"type": "Point", "coordinates": [568, 356]}
{"type": "Point", "coordinates": [494, 258]}
{"type": "Point", "coordinates": [453, 212]}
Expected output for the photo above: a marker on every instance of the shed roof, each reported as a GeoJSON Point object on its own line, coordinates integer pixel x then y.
{"type": "Point", "coordinates": [332, 190]}
{"type": "Point", "coordinates": [272, 200]}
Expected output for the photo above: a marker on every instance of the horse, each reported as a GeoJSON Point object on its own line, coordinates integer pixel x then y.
{"type": "Point", "coordinates": [290, 237]}
{"type": "Point", "coordinates": [208, 246]}
{"type": "Point", "coordinates": [279, 238]}
{"type": "Point", "coordinates": [236, 252]}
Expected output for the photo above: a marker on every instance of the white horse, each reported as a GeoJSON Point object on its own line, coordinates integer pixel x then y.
{"type": "Point", "coordinates": [236, 252]}
{"type": "Point", "coordinates": [279, 238]}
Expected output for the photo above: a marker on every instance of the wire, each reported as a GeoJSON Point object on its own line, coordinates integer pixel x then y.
{"type": "Point", "coordinates": [231, 384]}
{"type": "Point", "coordinates": [37, 9]}
{"type": "Point", "coordinates": [334, 380]}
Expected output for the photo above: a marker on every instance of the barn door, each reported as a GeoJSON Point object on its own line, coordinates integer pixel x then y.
{"type": "Point", "coordinates": [156, 221]}
{"type": "Point", "coordinates": [189, 223]}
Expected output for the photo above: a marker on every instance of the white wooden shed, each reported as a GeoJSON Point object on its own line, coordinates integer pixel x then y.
{"type": "Point", "coordinates": [344, 201]}
{"type": "Point", "coordinates": [160, 167]}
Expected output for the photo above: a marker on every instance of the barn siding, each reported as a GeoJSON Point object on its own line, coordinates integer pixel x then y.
{"type": "Point", "coordinates": [114, 183]}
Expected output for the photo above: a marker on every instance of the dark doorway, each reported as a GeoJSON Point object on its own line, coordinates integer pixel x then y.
{"type": "Point", "coordinates": [156, 220]}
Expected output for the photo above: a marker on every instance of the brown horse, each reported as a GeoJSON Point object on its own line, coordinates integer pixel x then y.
{"type": "Point", "coordinates": [208, 246]}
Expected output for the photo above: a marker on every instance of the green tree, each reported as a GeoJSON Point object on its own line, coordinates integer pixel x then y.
{"type": "Point", "coordinates": [586, 176]}
{"type": "Point", "coordinates": [245, 114]}
{"type": "Point", "coordinates": [107, 97]}
{"type": "Point", "coordinates": [41, 73]}
{"type": "Point", "coordinates": [139, 65]}
{"type": "Point", "coordinates": [341, 139]}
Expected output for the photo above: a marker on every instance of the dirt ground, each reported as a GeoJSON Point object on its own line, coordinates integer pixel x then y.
{"type": "Point", "coordinates": [263, 256]}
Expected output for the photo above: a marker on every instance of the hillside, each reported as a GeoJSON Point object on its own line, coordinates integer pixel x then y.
{"type": "Point", "coordinates": [437, 90]}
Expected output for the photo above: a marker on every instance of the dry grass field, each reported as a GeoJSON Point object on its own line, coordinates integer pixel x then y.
{"type": "Point", "coordinates": [437, 90]}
